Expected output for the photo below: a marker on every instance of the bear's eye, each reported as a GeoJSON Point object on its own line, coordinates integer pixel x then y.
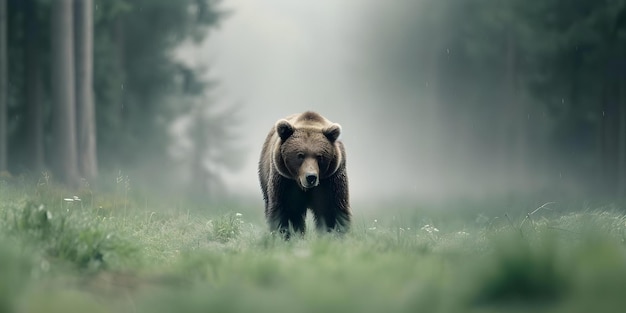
{"type": "Point", "coordinates": [320, 158]}
{"type": "Point", "coordinates": [300, 155]}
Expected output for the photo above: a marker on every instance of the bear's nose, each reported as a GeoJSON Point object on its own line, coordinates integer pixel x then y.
{"type": "Point", "coordinates": [311, 179]}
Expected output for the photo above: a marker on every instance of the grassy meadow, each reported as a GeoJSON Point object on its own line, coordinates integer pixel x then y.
{"type": "Point", "coordinates": [118, 251]}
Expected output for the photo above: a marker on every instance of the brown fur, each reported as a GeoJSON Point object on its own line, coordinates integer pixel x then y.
{"type": "Point", "coordinates": [303, 166]}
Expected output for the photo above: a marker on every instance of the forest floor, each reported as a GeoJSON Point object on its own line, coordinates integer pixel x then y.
{"type": "Point", "coordinates": [90, 252]}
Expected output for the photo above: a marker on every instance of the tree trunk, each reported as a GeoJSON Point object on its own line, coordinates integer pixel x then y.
{"type": "Point", "coordinates": [34, 86]}
{"type": "Point", "coordinates": [119, 107]}
{"type": "Point", "coordinates": [621, 145]}
{"type": "Point", "coordinates": [199, 173]}
{"type": "Point", "coordinates": [4, 137]}
{"type": "Point", "coordinates": [432, 91]}
{"type": "Point", "coordinates": [610, 152]}
{"type": "Point", "coordinates": [609, 127]}
{"type": "Point", "coordinates": [63, 109]}
{"type": "Point", "coordinates": [621, 129]}
{"type": "Point", "coordinates": [600, 164]}
{"type": "Point", "coordinates": [513, 124]}
{"type": "Point", "coordinates": [85, 108]}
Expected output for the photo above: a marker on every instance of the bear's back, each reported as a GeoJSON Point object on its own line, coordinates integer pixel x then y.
{"type": "Point", "coordinates": [308, 120]}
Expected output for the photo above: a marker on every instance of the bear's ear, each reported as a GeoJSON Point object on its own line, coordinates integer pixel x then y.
{"type": "Point", "coordinates": [332, 132]}
{"type": "Point", "coordinates": [284, 129]}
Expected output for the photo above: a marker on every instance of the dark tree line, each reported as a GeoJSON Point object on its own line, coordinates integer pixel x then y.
{"type": "Point", "coordinates": [93, 84]}
{"type": "Point", "coordinates": [539, 86]}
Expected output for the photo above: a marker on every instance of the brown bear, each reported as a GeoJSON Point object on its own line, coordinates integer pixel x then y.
{"type": "Point", "coordinates": [303, 166]}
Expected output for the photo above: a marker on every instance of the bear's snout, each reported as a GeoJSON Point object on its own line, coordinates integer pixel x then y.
{"type": "Point", "coordinates": [308, 175]}
{"type": "Point", "coordinates": [311, 179]}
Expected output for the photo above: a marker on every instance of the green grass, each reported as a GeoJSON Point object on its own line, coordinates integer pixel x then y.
{"type": "Point", "coordinates": [110, 252]}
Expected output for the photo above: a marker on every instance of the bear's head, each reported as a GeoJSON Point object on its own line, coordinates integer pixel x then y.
{"type": "Point", "coordinates": [308, 150]}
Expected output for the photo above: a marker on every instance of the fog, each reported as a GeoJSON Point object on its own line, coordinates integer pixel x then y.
{"type": "Point", "coordinates": [280, 57]}
{"type": "Point", "coordinates": [437, 99]}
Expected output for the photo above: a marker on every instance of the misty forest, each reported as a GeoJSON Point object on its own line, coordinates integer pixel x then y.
{"type": "Point", "coordinates": [485, 152]}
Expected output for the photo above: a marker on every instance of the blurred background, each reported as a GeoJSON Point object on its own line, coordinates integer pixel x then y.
{"type": "Point", "coordinates": [437, 98]}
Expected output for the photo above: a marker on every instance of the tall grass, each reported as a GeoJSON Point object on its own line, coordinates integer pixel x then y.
{"type": "Point", "coordinates": [106, 252]}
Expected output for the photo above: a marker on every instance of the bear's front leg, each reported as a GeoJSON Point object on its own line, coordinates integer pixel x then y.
{"type": "Point", "coordinates": [277, 220]}
{"type": "Point", "coordinates": [333, 220]}
{"type": "Point", "coordinates": [331, 205]}
{"type": "Point", "coordinates": [286, 207]}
